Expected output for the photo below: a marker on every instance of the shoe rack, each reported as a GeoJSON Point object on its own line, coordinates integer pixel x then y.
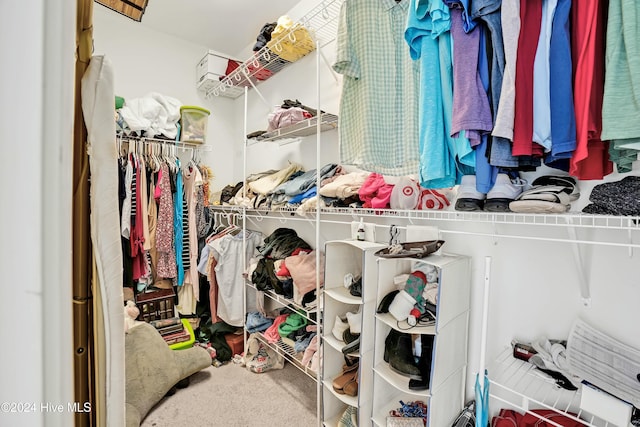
{"type": "Point", "coordinates": [449, 332]}
{"type": "Point", "coordinates": [344, 258]}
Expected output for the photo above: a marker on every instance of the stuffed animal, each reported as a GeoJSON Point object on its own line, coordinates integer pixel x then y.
{"type": "Point", "coordinates": [131, 313]}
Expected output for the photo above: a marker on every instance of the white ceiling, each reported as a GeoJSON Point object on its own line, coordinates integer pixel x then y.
{"type": "Point", "coordinates": [226, 26]}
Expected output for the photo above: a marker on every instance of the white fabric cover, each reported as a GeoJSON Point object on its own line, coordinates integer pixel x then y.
{"type": "Point", "coordinates": [98, 109]}
{"type": "Point", "coordinates": [604, 362]}
{"type": "Point", "coordinates": [154, 113]}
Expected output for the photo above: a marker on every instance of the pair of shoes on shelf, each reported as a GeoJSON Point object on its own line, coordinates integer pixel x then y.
{"type": "Point", "coordinates": [347, 382]}
{"type": "Point", "coordinates": [548, 194]}
{"type": "Point", "coordinates": [504, 191]}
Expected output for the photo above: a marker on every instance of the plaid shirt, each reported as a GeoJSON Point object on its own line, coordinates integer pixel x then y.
{"type": "Point", "coordinates": [379, 102]}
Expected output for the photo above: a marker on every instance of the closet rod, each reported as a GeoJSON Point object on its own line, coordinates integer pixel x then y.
{"type": "Point", "coordinates": [179, 144]}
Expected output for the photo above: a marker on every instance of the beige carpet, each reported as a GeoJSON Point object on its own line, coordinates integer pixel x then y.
{"type": "Point", "coordinates": [233, 396]}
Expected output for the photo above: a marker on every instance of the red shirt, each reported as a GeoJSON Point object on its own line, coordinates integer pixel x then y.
{"type": "Point", "coordinates": [530, 22]}
{"type": "Point", "coordinates": [591, 157]}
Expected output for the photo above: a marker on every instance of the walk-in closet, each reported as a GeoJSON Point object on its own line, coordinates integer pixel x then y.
{"type": "Point", "coordinates": [343, 213]}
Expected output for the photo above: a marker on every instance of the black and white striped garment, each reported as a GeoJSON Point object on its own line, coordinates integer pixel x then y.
{"type": "Point", "coordinates": [186, 248]}
{"type": "Point", "coordinates": [134, 184]}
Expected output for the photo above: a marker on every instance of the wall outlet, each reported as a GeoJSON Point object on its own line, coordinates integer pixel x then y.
{"type": "Point", "coordinates": [369, 231]}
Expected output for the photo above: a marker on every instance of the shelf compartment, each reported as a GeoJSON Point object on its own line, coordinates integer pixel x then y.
{"type": "Point", "coordinates": [337, 345]}
{"type": "Point", "coordinates": [390, 321]}
{"type": "Point", "coordinates": [303, 128]}
{"type": "Point", "coordinates": [342, 294]}
{"type": "Point", "coordinates": [321, 23]}
{"type": "Point", "coordinates": [518, 383]}
{"type": "Point", "coordinates": [399, 382]}
{"type": "Point", "coordinates": [349, 400]}
{"type": "Point", "coordinates": [290, 355]}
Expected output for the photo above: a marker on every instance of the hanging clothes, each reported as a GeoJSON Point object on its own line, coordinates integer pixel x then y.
{"type": "Point", "coordinates": [178, 232]}
{"type": "Point", "coordinates": [137, 233]}
{"type": "Point", "coordinates": [531, 21]}
{"type": "Point", "coordinates": [563, 118]}
{"type": "Point", "coordinates": [622, 83]}
{"type": "Point", "coordinates": [230, 251]}
{"type": "Point", "coordinates": [510, 19]}
{"type": "Point", "coordinates": [164, 233]}
{"type": "Point", "coordinates": [591, 158]}
{"type": "Point", "coordinates": [429, 40]}
{"type": "Point", "coordinates": [380, 84]}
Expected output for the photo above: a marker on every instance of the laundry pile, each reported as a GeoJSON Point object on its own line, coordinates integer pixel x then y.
{"type": "Point", "coordinates": [153, 115]}
{"type": "Point", "coordinates": [292, 187]}
{"type": "Point", "coordinates": [277, 44]}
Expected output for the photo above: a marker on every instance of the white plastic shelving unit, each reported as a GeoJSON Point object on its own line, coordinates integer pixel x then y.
{"type": "Point", "coordinates": [445, 396]}
{"type": "Point", "coordinates": [356, 258]}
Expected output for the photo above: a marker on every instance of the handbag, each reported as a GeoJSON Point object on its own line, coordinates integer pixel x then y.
{"type": "Point", "coordinates": [404, 422]}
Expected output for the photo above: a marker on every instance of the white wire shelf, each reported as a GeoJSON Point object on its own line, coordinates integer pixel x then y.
{"type": "Point", "coordinates": [290, 355]}
{"type": "Point", "coordinates": [519, 383]}
{"type": "Point", "coordinates": [626, 225]}
{"type": "Point", "coordinates": [321, 23]}
{"type": "Point", "coordinates": [301, 129]}
{"type": "Point", "coordinates": [573, 219]}
{"type": "Point", "coordinates": [288, 303]}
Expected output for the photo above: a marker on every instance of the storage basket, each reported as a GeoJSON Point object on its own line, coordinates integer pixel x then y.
{"type": "Point", "coordinates": [193, 124]}
{"type": "Point", "coordinates": [156, 305]}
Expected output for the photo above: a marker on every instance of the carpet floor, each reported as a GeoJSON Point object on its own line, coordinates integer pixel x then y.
{"type": "Point", "coordinates": [232, 396]}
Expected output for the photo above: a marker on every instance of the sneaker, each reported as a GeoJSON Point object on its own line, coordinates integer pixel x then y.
{"type": "Point", "coordinates": [469, 198]}
{"type": "Point", "coordinates": [504, 191]}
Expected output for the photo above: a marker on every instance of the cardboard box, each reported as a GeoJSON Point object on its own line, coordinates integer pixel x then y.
{"type": "Point", "coordinates": [236, 342]}
{"type": "Point", "coordinates": [210, 68]}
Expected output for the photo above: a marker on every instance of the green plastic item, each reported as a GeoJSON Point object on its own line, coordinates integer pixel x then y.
{"type": "Point", "coordinates": [194, 107]}
{"type": "Point", "coordinates": [185, 344]}
{"type": "Point", "coordinates": [119, 102]}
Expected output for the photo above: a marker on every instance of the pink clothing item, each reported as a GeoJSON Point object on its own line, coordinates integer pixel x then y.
{"type": "Point", "coordinates": [310, 353]}
{"type": "Point", "coordinates": [375, 192]}
{"type": "Point", "coordinates": [302, 268]}
{"type": "Point", "coordinates": [164, 232]}
{"type": "Point", "coordinates": [137, 234]}
{"type": "Point", "coordinates": [271, 334]}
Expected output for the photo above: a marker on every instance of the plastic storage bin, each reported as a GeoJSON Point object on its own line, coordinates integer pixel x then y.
{"type": "Point", "coordinates": [185, 344]}
{"type": "Point", "coordinates": [193, 124]}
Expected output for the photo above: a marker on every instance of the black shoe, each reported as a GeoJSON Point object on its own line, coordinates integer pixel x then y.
{"type": "Point", "coordinates": [398, 352]}
{"type": "Point", "coordinates": [424, 364]}
{"type": "Point", "coordinates": [352, 347]}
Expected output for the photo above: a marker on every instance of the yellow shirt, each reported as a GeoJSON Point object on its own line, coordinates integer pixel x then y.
{"type": "Point", "coordinates": [290, 41]}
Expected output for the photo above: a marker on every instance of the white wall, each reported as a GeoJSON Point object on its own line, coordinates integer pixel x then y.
{"type": "Point", "coordinates": [36, 83]}
{"type": "Point", "coordinates": [146, 60]}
